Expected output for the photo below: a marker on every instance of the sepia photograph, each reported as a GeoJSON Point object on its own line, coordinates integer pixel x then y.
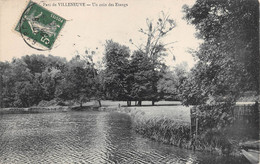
{"type": "Point", "coordinates": [129, 82]}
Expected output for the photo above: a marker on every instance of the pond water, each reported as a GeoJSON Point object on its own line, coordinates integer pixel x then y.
{"type": "Point", "coordinates": [86, 137]}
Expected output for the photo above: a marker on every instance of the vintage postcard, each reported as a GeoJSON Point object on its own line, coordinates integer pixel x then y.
{"type": "Point", "coordinates": [129, 81]}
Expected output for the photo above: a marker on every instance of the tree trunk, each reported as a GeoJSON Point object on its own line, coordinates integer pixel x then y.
{"type": "Point", "coordinates": [99, 102]}
{"type": "Point", "coordinates": [153, 102]}
{"type": "Point", "coordinates": [80, 104]}
{"type": "Point", "coordinates": [128, 103]}
{"type": "Point", "coordinates": [139, 102]}
{"type": "Point", "coordinates": [135, 103]}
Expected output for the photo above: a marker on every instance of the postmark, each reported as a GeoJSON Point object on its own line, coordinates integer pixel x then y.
{"type": "Point", "coordinates": [39, 27]}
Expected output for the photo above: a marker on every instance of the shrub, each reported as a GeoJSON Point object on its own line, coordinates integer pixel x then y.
{"type": "Point", "coordinates": [215, 116]}
{"type": "Point", "coordinates": [161, 129]}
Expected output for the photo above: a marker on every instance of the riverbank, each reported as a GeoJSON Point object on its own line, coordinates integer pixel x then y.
{"type": "Point", "coordinates": [161, 123]}
{"type": "Point", "coordinates": [34, 110]}
{"type": "Point", "coordinates": [49, 109]}
{"type": "Point", "coordinates": [171, 125]}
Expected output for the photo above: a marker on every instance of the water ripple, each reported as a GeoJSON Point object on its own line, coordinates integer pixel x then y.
{"type": "Point", "coordinates": [82, 137]}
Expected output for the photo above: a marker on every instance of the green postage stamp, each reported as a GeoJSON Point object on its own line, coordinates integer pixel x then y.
{"type": "Point", "coordinates": [39, 27]}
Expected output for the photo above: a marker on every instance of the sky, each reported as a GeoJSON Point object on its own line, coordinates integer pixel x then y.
{"type": "Point", "coordinates": [90, 27]}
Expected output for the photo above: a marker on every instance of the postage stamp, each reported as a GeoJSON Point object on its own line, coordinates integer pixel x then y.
{"type": "Point", "coordinates": [38, 25]}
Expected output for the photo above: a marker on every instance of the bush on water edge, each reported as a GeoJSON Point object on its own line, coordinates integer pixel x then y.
{"type": "Point", "coordinates": [212, 121]}
{"type": "Point", "coordinates": [214, 140]}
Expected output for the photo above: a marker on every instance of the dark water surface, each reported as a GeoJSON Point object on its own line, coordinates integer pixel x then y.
{"type": "Point", "coordinates": [86, 137]}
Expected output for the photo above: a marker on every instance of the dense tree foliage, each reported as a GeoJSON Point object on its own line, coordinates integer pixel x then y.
{"type": "Point", "coordinates": [141, 73]}
{"type": "Point", "coordinates": [228, 60]}
{"type": "Point", "coordinates": [170, 84]}
{"type": "Point", "coordinates": [133, 77]}
{"type": "Point", "coordinates": [27, 81]}
{"type": "Point", "coordinates": [116, 73]}
{"type": "Point", "coordinates": [77, 82]}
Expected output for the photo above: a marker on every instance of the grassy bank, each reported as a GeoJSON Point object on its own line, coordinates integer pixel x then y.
{"type": "Point", "coordinates": [34, 110]}
{"type": "Point", "coordinates": [49, 109]}
{"type": "Point", "coordinates": [168, 124]}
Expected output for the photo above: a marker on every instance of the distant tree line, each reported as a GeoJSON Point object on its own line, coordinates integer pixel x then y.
{"type": "Point", "coordinates": [32, 78]}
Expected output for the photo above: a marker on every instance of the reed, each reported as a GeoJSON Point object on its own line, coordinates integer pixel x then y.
{"type": "Point", "coordinates": [172, 129]}
{"type": "Point", "coordinates": [161, 128]}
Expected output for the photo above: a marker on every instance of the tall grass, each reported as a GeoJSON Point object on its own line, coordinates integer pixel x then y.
{"type": "Point", "coordinates": [174, 129]}
{"type": "Point", "coordinates": [163, 129]}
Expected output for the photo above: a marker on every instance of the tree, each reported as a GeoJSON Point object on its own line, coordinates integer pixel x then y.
{"type": "Point", "coordinates": [100, 90]}
{"type": "Point", "coordinates": [117, 62]}
{"type": "Point", "coordinates": [49, 80]}
{"type": "Point", "coordinates": [46, 72]}
{"type": "Point", "coordinates": [77, 82]}
{"type": "Point", "coordinates": [140, 77]}
{"type": "Point", "coordinates": [21, 89]}
{"type": "Point", "coordinates": [229, 57]}
{"type": "Point", "coordinates": [98, 75]}
{"type": "Point", "coordinates": [155, 49]}
{"type": "Point", "coordinates": [169, 85]}
{"type": "Point", "coordinates": [192, 89]}
{"type": "Point", "coordinates": [5, 85]}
